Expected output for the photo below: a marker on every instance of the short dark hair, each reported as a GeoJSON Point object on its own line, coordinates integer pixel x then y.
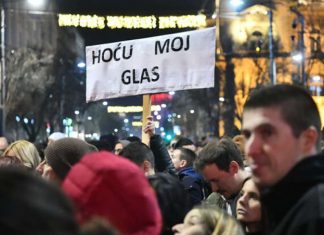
{"type": "Point", "coordinates": [138, 153]}
{"type": "Point", "coordinates": [188, 155]}
{"type": "Point", "coordinates": [134, 139]}
{"type": "Point", "coordinates": [221, 154]}
{"type": "Point", "coordinates": [296, 105]}
{"type": "Point", "coordinates": [173, 199]}
{"type": "Point", "coordinates": [182, 142]}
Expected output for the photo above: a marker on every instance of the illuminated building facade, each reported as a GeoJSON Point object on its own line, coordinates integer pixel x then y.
{"type": "Point", "coordinates": [297, 26]}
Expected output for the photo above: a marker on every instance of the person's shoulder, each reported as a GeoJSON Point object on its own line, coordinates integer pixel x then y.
{"type": "Point", "coordinates": [189, 172]}
{"type": "Point", "coordinates": [306, 216]}
{"type": "Point", "coordinates": [315, 194]}
{"type": "Point", "coordinates": [317, 190]}
{"type": "Point", "coordinates": [187, 178]}
{"type": "Point", "coordinates": [311, 204]}
{"type": "Point", "coordinates": [215, 199]}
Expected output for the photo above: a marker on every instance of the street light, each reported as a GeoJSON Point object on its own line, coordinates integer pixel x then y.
{"type": "Point", "coordinates": [34, 4]}
{"type": "Point", "coordinates": [81, 65]}
{"type": "Point", "coordinates": [272, 63]}
{"type": "Point", "coordinates": [301, 43]}
{"type": "Point", "coordinates": [2, 72]}
{"type": "Point", "coordinates": [237, 3]}
{"type": "Point", "coordinates": [298, 57]}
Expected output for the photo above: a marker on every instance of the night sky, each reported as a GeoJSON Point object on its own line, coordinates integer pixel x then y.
{"type": "Point", "coordinates": [130, 7]}
{"type": "Point", "coordinates": [160, 7]}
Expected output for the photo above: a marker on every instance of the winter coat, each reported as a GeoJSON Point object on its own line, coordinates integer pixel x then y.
{"type": "Point", "coordinates": [193, 184]}
{"type": "Point", "coordinates": [162, 158]}
{"type": "Point", "coordinates": [295, 205]}
{"type": "Point", "coordinates": [113, 188]}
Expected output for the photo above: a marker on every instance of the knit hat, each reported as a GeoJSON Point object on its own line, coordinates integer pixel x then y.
{"type": "Point", "coordinates": [115, 189]}
{"type": "Point", "coordinates": [64, 153]}
{"type": "Point", "coordinates": [56, 136]}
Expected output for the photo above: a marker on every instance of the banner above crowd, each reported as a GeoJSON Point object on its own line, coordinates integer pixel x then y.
{"type": "Point", "coordinates": [158, 64]}
{"type": "Point", "coordinates": [131, 22]}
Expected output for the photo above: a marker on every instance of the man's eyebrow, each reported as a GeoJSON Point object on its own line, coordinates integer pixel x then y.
{"type": "Point", "coordinates": [260, 126]}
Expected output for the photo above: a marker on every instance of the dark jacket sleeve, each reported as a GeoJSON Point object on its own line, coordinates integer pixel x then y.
{"type": "Point", "coordinates": [162, 158]}
{"type": "Point", "coordinates": [194, 189]}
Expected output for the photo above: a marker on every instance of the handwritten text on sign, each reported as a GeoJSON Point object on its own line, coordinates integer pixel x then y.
{"type": "Point", "coordinates": [158, 64]}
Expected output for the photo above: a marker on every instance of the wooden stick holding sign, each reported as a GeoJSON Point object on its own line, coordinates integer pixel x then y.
{"type": "Point", "coordinates": [145, 114]}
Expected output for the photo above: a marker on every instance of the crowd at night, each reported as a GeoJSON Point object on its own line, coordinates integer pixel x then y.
{"type": "Point", "coordinates": [160, 117]}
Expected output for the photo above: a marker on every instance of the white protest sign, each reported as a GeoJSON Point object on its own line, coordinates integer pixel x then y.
{"type": "Point", "coordinates": [158, 64]}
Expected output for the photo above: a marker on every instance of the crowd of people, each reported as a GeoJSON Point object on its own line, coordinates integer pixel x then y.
{"type": "Point", "coordinates": [267, 180]}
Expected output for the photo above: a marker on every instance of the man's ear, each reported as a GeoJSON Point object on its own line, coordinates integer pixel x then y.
{"type": "Point", "coordinates": [233, 167]}
{"type": "Point", "coordinates": [310, 137]}
{"type": "Point", "coordinates": [49, 174]}
{"type": "Point", "coordinates": [183, 163]}
{"type": "Point", "coordinates": [146, 166]}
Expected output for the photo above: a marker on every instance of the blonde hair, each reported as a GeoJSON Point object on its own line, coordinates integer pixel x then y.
{"type": "Point", "coordinates": [217, 222]}
{"type": "Point", "coordinates": [25, 151]}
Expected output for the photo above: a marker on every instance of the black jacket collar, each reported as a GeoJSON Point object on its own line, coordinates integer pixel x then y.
{"type": "Point", "coordinates": [280, 198]}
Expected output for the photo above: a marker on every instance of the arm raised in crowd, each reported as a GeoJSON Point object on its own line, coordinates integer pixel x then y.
{"type": "Point", "coordinates": [162, 158]}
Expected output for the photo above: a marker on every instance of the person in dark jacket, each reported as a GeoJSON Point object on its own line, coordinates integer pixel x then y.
{"type": "Point", "coordinates": [183, 159]}
{"type": "Point", "coordinates": [173, 200]}
{"type": "Point", "coordinates": [162, 158]}
{"type": "Point", "coordinates": [281, 125]}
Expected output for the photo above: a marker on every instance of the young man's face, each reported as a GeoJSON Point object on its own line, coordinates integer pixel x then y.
{"type": "Point", "coordinates": [221, 181]}
{"type": "Point", "coordinates": [118, 148]}
{"type": "Point", "coordinates": [175, 157]}
{"type": "Point", "coordinates": [271, 148]}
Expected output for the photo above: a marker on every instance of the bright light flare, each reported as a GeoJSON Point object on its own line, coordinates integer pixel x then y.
{"type": "Point", "coordinates": [298, 57]}
{"type": "Point", "coordinates": [237, 3]}
{"type": "Point", "coordinates": [36, 3]}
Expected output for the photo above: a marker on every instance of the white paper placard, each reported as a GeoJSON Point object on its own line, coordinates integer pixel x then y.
{"type": "Point", "coordinates": [158, 64]}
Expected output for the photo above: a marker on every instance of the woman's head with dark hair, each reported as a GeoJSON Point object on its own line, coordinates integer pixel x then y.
{"type": "Point", "coordinates": [249, 210]}
{"type": "Point", "coordinates": [31, 206]}
{"type": "Point", "coordinates": [173, 200]}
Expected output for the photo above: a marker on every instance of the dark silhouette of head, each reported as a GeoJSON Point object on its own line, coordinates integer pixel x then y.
{"type": "Point", "coordinates": [173, 200]}
{"type": "Point", "coordinates": [31, 206]}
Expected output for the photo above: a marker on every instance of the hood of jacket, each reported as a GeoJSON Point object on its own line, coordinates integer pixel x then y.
{"type": "Point", "coordinates": [115, 189]}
